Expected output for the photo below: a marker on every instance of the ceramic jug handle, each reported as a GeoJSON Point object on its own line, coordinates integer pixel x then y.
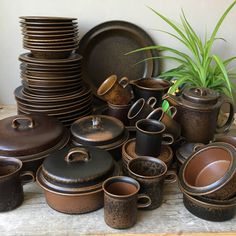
{"type": "Point", "coordinates": [25, 174]}
{"type": "Point", "coordinates": [172, 110]}
{"type": "Point", "coordinates": [230, 119]}
{"type": "Point", "coordinates": [124, 81]}
{"type": "Point", "coordinates": [170, 177]}
{"type": "Point", "coordinates": [144, 205]}
{"type": "Point", "coordinates": [169, 137]}
{"type": "Point", "coordinates": [152, 101]}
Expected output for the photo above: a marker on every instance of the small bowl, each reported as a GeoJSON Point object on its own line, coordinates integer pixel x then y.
{"type": "Point", "coordinates": [210, 172]}
{"type": "Point", "coordinates": [210, 209]}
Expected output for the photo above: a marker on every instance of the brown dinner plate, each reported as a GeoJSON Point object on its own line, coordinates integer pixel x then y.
{"type": "Point", "coordinates": [56, 40]}
{"type": "Point", "coordinates": [73, 58]}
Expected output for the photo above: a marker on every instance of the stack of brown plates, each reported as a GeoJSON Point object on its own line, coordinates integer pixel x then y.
{"type": "Point", "coordinates": [67, 108]}
{"type": "Point", "coordinates": [51, 74]}
{"type": "Point", "coordinates": [49, 37]}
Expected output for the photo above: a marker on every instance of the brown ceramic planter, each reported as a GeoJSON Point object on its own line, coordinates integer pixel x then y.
{"type": "Point", "coordinates": [210, 172]}
{"type": "Point", "coordinates": [209, 209]}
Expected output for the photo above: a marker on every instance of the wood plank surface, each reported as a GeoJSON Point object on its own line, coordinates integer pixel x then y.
{"type": "Point", "coordinates": [35, 217]}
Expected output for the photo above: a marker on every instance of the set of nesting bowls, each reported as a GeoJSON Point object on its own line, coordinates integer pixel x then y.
{"type": "Point", "coordinates": [208, 182]}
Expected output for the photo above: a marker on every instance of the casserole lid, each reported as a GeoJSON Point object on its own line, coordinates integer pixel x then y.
{"type": "Point", "coordinates": [98, 130]}
{"type": "Point", "coordinates": [74, 167]}
{"type": "Point", "coordinates": [24, 135]}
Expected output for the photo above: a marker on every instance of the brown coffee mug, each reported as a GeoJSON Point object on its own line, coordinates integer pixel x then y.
{"type": "Point", "coordinates": [119, 111]}
{"type": "Point", "coordinates": [150, 135]}
{"type": "Point", "coordinates": [151, 173]}
{"type": "Point", "coordinates": [172, 126]}
{"type": "Point", "coordinates": [121, 201]}
{"type": "Point", "coordinates": [114, 91]}
{"type": "Point", "coordinates": [11, 180]}
{"type": "Point", "coordinates": [141, 109]}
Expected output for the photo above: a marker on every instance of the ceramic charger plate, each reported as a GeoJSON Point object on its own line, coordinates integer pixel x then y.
{"type": "Point", "coordinates": [104, 47]}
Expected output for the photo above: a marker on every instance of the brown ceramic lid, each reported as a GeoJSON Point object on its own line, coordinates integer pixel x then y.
{"type": "Point", "coordinates": [97, 130]}
{"type": "Point", "coordinates": [25, 135]}
{"type": "Point", "coordinates": [73, 167]}
{"type": "Point", "coordinates": [202, 96]}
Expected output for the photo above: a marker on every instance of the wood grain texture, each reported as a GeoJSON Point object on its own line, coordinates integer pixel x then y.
{"type": "Point", "coordinates": [34, 217]}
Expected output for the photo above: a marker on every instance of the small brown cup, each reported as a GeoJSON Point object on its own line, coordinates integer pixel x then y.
{"type": "Point", "coordinates": [119, 111]}
{"type": "Point", "coordinates": [150, 136]}
{"type": "Point", "coordinates": [141, 109]}
{"type": "Point", "coordinates": [151, 173]}
{"type": "Point", "coordinates": [114, 91]}
{"type": "Point", "coordinates": [172, 126]}
{"type": "Point", "coordinates": [11, 180]}
{"type": "Point", "coordinates": [121, 201]}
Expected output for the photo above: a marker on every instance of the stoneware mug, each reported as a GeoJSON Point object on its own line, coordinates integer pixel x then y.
{"type": "Point", "coordinates": [119, 111]}
{"type": "Point", "coordinates": [141, 109]}
{"type": "Point", "coordinates": [11, 180]}
{"type": "Point", "coordinates": [114, 91]}
{"type": "Point", "coordinates": [150, 135]}
{"type": "Point", "coordinates": [121, 201]}
{"type": "Point", "coordinates": [172, 126]}
{"type": "Point", "coordinates": [151, 173]}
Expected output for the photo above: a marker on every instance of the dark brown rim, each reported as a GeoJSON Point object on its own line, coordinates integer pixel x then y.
{"type": "Point", "coordinates": [152, 89]}
{"type": "Point", "coordinates": [142, 101]}
{"type": "Point", "coordinates": [150, 159]}
{"type": "Point", "coordinates": [213, 187]}
{"type": "Point", "coordinates": [120, 179]}
{"type": "Point", "coordinates": [14, 161]}
{"type": "Point", "coordinates": [153, 122]}
{"type": "Point", "coordinates": [101, 91]}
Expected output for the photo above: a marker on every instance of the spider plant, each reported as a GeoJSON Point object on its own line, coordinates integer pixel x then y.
{"type": "Point", "coordinates": [199, 66]}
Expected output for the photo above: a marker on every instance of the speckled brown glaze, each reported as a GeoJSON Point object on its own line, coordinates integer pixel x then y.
{"type": "Point", "coordinates": [11, 190]}
{"type": "Point", "coordinates": [120, 202]}
{"type": "Point", "coordinates": [208, 209]}
{"type": "Point", "coordinates": [151, 173]}
{"type": "Point", "coordinates": [51, 54]}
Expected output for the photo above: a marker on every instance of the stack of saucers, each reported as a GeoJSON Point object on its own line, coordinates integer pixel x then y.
{"type": "Point", "coordinates": [52, 75]}
{"type": "Point", "coordinates": [49, 37]}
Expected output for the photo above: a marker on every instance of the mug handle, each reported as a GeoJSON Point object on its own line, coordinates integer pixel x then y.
{"type": "Point", "coordinates": [168, 136]}
{"type": "Point", "coordinates": [144, 205]}
{"type": "Point", "coordinates": [172, 110]}
{"type": "Point", "coordinates": [170, 177]}
{"type": "Point", "coordinates": [124, 81]}
{"type": "Point", "coordinates": [27, 173]}
{"type": "Point", "coordinates": [152, 101]}
{"type": "Point", "coordinates": [230, 119]}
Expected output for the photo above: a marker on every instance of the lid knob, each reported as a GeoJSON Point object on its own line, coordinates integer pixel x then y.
{"type": "Point", "coordinates": [96, 122]}
{"type": "Point", "coordinates": [77, 154]}
{"type": "Point", "coordinates": [200, 91]}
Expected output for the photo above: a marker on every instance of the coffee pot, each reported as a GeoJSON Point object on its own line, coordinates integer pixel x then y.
{"type": "Point", "coordinates": [198, 110]}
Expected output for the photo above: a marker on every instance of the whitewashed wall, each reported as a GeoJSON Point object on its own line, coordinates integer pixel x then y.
{"type": "Point", "coordinates": [202, 14]}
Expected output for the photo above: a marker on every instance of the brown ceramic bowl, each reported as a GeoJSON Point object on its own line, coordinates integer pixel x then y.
{"type": "Point", "coordinates": [210, 209]}
{"type": "Point", "coordinates": [210, 172]}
